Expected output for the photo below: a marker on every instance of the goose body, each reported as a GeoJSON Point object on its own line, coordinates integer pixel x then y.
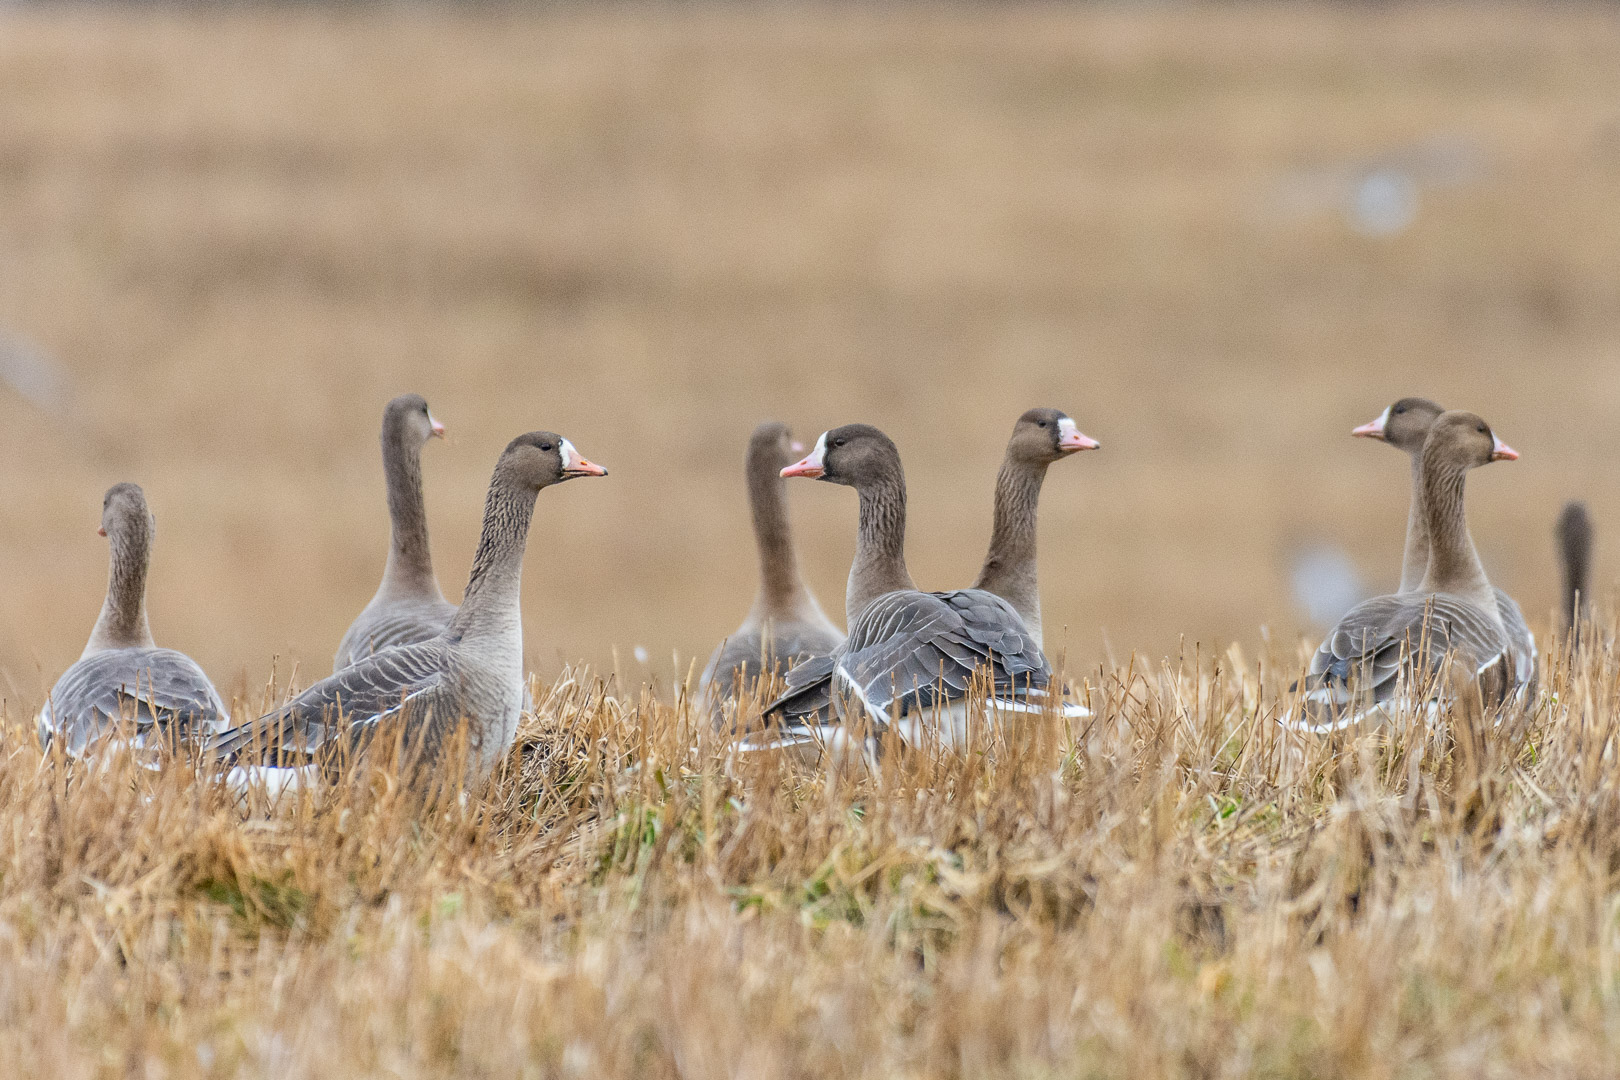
{"type": "Point", "coordinates": [123, 681]}
{"type": "Point", "coordinates": [470, 674]}
{"type": "Point", "coordinates": [1405, 425]}
{"type": "Point", "coordinates": [1449, 626]}
{"type": "Point", "coordinates": [408, 606]}
{"type": "Point", "coordinates": [786, 625]}
{"type": "Point", "coordinates": [911, 656]}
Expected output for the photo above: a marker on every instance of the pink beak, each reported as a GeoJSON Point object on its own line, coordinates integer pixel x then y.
{"type": "Point", "coordinates": [438, 428]}
{"type": "Point", "coordinates": [814, 464]}
{"type": "Point", "coordinates": [101, 530]}
{"type": "Point", "coordinates": [1501, 451]}
{"type": "Point", "coordinates": [1072, 439]}
{"type": "Point", "coordinates": [1373, 429]}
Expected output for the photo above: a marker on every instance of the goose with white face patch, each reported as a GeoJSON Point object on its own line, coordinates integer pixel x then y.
{"type": "Point", "coordinates": [1405, 425]}
{"type": "Point", "coordinates": [912, 657]}
{"type": "Point", "coordinates": [1403, 650]}
{"type": "Point", "coordinates": [1040, 437]}
{"type": "Point", "coordinates": [470, 676]}
{"type": "Point", "coordinates": [123, 682]}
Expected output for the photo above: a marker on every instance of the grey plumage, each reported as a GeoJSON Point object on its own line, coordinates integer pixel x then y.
{"type": "Point", "coordinates": [911, 657]}
{"type": "Point", "coordinates": [1356, 673]}
{"type": "Point", "coordinates": [786, 625]}
{"type": "Point", "coordinates": [155, 695]}
{"type": "Point", "coordinates": [408, 605]}
{"type": "Point", "coordinates": [123, 680]}
{"type": "Point", "coordinates": [469, 677]}
{"type": "Point", "coordinates": [1450, 624]}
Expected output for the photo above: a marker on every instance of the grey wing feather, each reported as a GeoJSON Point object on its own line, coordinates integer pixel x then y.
{"type": "Point", "coordinates": [1521, 641]}
{"type": "Point", "coordinates": [783, 644]}
{"type": "Point", "coordinates": [344, 703]}
{"type": "Point", "coordinates": [384, 626]}
{"type": "Point", "coordinates": [1359, 667]}
{"type": "Point", "coordinates": [920, 649]}
{"type": "Point", "coordinates": [153, 688]}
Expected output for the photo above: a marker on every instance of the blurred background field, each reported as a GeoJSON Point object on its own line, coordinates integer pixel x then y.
{"type": "Point", "coordinates": [1219, 237]}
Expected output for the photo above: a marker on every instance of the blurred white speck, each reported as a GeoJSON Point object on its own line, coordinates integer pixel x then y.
{"type": "Point", "coordinates": [31, 374]}
{"type": "Point", "coordinates": [1386, 203]}
{"type": "Point", "coordinates": [641, 654]}
{"type": "Point", "coordinates": [1325, 584]}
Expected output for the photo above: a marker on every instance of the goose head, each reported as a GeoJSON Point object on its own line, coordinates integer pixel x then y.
{"type": "Point", "coordinates": [408, 421]}
{"type": "Point", "coordinates": [125, 518]}
{"type": "Point", "coordinates": [540, 459]}
{"type": "Point", "coordinates": [854, 455]}
{"type": "Point", "coordinates": [1404, 425]}
{"type": "Point", "coordinates": [1043, 436]}
{"type": "Point", "coordinates": [1464, 441]}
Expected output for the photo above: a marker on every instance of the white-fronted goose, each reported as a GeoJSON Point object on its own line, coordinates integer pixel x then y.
{"type": "Point", "coordinates": [1040, 437]}
{"type": "Point", "coordinates": [408, 606]}
{"type": "Point", "coordinates": [1405, 425]}
{"type": "Point", "coordinates": [785, 625]}
{"type": "Point", "coordinates": [472, 672]}
{"type": "Point", "coordinates": [910, 655]}
{"type": "Point", "coordinates": [1408, 636]}
{"type": "Point", "coordinates": [1575, 559]}
{"type": "Point", "coordinates": [123, 677]}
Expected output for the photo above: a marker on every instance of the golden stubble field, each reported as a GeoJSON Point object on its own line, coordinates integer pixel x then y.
{"type": "Point", "coordinates": [238, 234]}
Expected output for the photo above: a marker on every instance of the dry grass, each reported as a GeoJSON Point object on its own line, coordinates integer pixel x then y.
{"type": "Point", "coordinates": [239, 233]}
{"type": "Point", "coordinates": [1175, 889]}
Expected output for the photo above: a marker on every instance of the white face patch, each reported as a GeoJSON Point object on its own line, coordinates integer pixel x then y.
{"type": "Point", "coordinates": [818, 456]}
{"type": "Point", "coordinates": [1067, 427]}
{"type": "Point", "coordinates": [570, 456]}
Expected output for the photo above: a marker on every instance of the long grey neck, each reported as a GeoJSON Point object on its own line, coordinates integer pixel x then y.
{"type": "Point", "coordinates": [1454, 565]}
{"type": "Point", "coordinates": [410, 561]}
{"type": "Point", "coordinates": [781, 589]}
{"type": "Point", "coordinates": [492, 603]}
{"type": "Point", "coordinates": [880, 546]}
{"type": "Point", "coordinates": [1009, 568]}
{"type": "Point", "coordinates": [122, 623]}
{"type": "Point", "coordinates": [1415, 561]}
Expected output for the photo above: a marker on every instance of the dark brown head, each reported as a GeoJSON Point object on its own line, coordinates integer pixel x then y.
{"type": "Point", "coordinates": [1462, 440]}
{"type": "Point", "coordinates": [407, 421]}
{"type": "Point", "coordinates": [541, 458]}
{"type": "Point", "coordinates": [1042, 436]}
{"type": "Point", "coordinates": [854, 455]}
{"type": "Point", "coordinates": [772, 448]}
{"type": "Point", "coordinates": [125, 518]}
{"type": "Point", "coordinates": [1403, 425]}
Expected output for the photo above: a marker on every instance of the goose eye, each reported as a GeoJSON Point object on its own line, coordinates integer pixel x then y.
{"type": "Point", "coordinates": [545, 446]}
{"type": "Point", "coordinates": [1400, 409]}
{"type": "Point", "coordinates": [1481, 429]}
{"type": "Point", "coordinates": [838, 442]}
{"type": "Point", "coordinates": [1040, 423]}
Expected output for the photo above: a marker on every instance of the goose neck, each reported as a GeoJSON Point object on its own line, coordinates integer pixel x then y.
{"type": "Point", "coordinates": [880, 556]}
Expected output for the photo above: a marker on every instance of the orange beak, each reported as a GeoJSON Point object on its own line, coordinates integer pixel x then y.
{"type": "Point", "coordinates": [101, 530]}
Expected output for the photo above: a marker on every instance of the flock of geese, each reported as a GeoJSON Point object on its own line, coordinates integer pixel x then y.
{"type": "Point", "coordinates": [434, 675]}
